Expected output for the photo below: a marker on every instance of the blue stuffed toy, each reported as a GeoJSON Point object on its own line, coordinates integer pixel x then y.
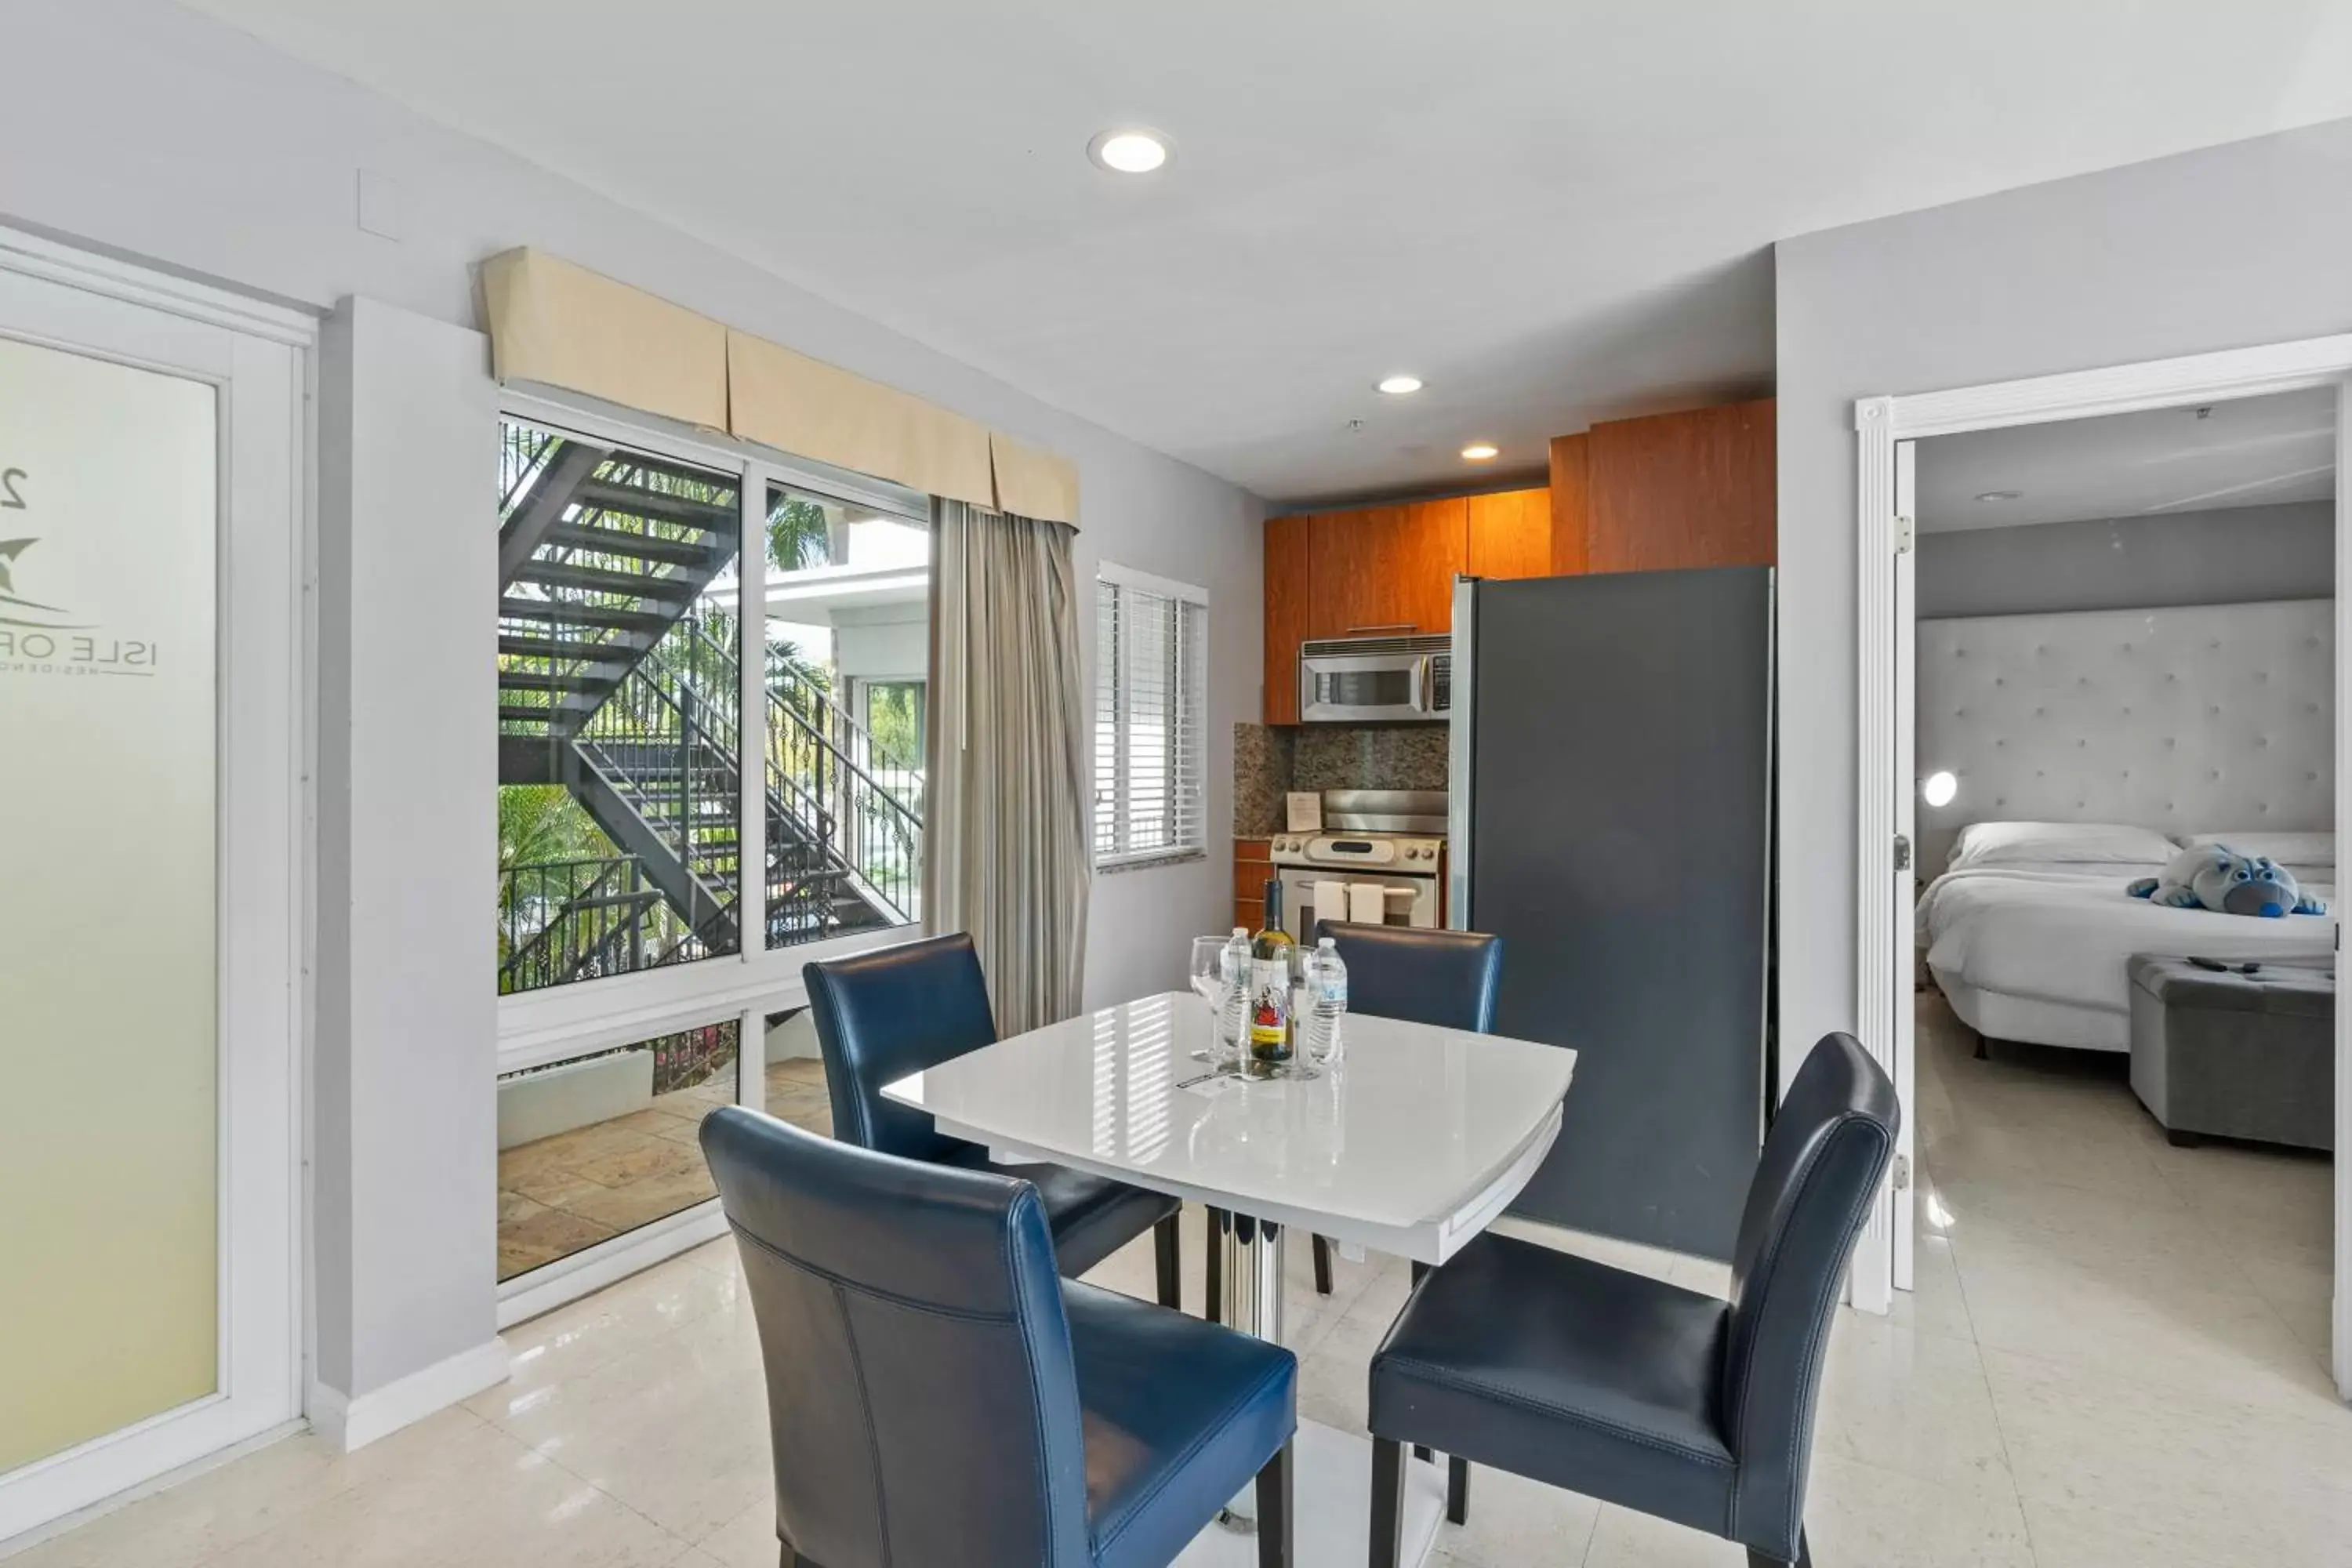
{"type": "Point", "coordinates": [2216, 877]}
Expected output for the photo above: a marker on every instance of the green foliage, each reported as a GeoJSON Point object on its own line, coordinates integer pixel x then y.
{"type": "Point", "coordinates": [797, 536]}
{"type": "Point", "coordinates": [894, 718]}
{"type": "Point", "coordinates": [541, 823]}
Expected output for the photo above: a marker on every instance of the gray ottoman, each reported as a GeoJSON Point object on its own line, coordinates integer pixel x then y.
{"type": "Point", "coordinates": [2236, 1056]}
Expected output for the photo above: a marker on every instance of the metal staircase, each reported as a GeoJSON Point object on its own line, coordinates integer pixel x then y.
{"type": "Point", "coordinates": [610, 687]}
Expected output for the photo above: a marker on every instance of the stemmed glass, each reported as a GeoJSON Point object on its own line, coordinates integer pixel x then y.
{"type": "Point", "coordinates": [1210, 983]}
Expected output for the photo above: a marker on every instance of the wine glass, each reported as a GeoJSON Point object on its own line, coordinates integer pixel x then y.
{"type": "Point", "coordinates": [1212, 986]}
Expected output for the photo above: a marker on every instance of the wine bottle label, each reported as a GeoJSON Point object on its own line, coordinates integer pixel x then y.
{"type": "Point", "coordinates": [1270, 1008]}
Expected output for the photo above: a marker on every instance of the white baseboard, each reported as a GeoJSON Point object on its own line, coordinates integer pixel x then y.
{"type": "Point", "coordinates": [351, 1423]}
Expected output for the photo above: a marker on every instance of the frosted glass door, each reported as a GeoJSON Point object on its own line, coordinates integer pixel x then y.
{"type": "Point", "coordinates": [108, 892]}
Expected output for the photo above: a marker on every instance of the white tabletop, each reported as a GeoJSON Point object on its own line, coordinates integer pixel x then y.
{"type": "Point", "coordinates": [1410, 1143]}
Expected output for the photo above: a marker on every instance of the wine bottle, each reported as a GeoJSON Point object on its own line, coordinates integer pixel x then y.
{"type": "Point", "coordinates": [1270, 1022]}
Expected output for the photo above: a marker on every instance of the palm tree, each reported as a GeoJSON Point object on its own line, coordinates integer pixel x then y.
{"type": "Point", "coordinates": [799, 535]}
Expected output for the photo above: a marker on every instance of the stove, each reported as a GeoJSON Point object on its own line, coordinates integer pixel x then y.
{"type": "Point", "coordinates": [1390, 840]}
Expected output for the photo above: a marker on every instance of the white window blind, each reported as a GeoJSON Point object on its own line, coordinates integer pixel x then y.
{"type": "Point", "coordinates": [1151, 682]}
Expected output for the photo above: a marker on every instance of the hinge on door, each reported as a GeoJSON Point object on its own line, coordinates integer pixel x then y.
{"type": "Point", "coordinates": [1902, 853]}
{"type": "Point", "coordinates": [1904, 533]}
{"type": "Point", "coordinates": [1902, 1173]}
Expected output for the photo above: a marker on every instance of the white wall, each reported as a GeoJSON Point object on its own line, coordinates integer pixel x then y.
{"type": "Point", "coordinates": [138, 127]}
{"type": "Point", "coordinates": [2220, 248]}
{"type": "Point", "coordinates": [404, 1146]}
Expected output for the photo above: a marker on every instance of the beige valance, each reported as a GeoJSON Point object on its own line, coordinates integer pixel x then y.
{"type": "Point", "coordinates": [1030, 483]}
{"type": "Point", "coordinates": [799, 404]}
{"type": "Point", "coordinates": [563, 325]}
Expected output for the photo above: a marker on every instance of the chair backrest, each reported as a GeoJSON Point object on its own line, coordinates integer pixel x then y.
{"type": "Point", "coordinates": [1822, 1162]}
{"type": "Point", "coordinates": [882, 1014]}
{"type": "Point", "coordinates": [1443, 978]}
{"type": "Point", "coordinates": [922, 1402]}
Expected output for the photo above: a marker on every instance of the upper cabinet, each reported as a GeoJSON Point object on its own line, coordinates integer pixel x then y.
{"type": "Point", "coordinates": [1511, 535]}
{"type": "Point", "coordinates": [1684, 490]}
{"type": "Point", "coordinates": [1288, 589]}
{"type": "Point", "coordinates": [1632, 495]}
{"type": "Point", "coordinates": [1386, 568]}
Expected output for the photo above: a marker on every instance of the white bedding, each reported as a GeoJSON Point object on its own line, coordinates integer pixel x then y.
{"type": "Point", "coordinates": [2058, 935]}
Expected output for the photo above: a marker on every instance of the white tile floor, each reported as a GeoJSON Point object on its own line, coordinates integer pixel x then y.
{"type": "Point", "coordinates": [2114, 1356]}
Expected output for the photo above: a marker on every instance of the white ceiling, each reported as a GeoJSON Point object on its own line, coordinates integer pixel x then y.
{"type": "Point", "coordinates": [1552, 210]}
{"type": "Point", "coordinates": [2253, 452]}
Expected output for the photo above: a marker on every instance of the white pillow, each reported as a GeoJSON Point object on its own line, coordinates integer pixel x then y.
{"type": "Point", "coordinates": [2041, 843]}
{"type": "Point", "coordinates": [2296, 849]}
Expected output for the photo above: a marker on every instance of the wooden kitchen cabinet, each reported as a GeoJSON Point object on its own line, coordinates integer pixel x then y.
{"type": "Point", "coordinates": [1386, 569]}
{"type": "Point", "coordinates": [1696, 488]}
{"type": "Point", "coordinates": [1510, 534]}
{"type": "Point", "coordinates": [1253, 869]}
{"type": "Point", "coordinates": [1288, 591]}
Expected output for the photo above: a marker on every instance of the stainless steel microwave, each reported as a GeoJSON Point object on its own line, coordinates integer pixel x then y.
{"type": "Point", "coordinates": [1360, 681]}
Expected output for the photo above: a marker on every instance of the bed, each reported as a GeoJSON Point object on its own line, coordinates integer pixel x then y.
{"type": "Point", "coordinates": [2029, 930]}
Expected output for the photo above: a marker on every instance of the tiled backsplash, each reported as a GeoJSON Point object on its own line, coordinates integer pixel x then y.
{"type": "Point", "coordinates": [1269, 761]}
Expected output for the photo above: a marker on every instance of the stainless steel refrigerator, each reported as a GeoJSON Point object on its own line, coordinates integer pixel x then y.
{"type": "Point", "coordinates": [1611, 819]}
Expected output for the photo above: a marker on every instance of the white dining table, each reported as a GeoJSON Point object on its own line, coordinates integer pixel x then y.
{"type": "Point", "coordinates": [1410, 1143]}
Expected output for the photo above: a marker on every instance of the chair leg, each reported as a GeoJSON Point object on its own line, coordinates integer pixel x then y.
{"type": "Point", "coordinates": [1167, 1247]}
{"type": "Point", "coordinates": [1420, 1273]}
{"type": "Point", "coordinates": [1277, 1513]}
{"type": "Point", "coordinates": [1457, 1490]}
{"type": "Point", "coordinates": [1322, 1266]}
{"type": "Point", "coordinates": [1388, 1504]}
{"type": "Point", "coordinates": [1213, 1275]}
{"type": "Point", "coordinates": [1804, 1555]}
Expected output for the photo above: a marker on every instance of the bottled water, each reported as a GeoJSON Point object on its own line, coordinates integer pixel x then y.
{"type": "Point", "coordinates": [1233, 1028]}
{"type": "Point", "coordinates": [1326, 998]}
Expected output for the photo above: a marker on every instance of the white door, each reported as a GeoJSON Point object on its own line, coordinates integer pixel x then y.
{"type": "Point", "coordinates": [1903, 1187]}
{"type": "Point", "coordinates": [150, 687]}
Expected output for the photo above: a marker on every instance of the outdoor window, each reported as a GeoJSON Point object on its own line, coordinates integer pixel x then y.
{"type": "Point", "coordinates": [849, 615]}
{"type": "Point", "coordinates": [1151, 671]}
{"type": "Point", "coordinates": [618, 816]}
{"type": "Point", "coordinates": [711, 675]}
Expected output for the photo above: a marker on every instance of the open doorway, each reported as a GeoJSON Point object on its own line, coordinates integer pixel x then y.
{"type": "Point", "coordinates": [2124, 669]}
{"type": "Point", "coordinates": [2112, 617]}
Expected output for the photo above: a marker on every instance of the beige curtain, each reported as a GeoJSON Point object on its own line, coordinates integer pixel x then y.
{"type": "Point", "coordinates": [1007, 823]}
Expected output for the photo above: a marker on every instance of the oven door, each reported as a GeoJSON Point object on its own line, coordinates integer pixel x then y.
{"type": "Point", "coordinates": [1369, 688]}
{"type": "Point", "coordinates": [1411, 900]}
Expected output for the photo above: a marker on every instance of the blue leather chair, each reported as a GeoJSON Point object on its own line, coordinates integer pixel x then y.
{"type": "Point", "coordinates": [1447, 978]}
{"type": "Point", "coordinates": [937, 1396]}
{"type": "Point", "coordinates": [883, 1014]}
{"type": "Point", "coordinates": [1643, 1394]}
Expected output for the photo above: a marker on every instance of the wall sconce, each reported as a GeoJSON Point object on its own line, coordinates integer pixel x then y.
{"type": "Point", "coordinates": [1938, 789]}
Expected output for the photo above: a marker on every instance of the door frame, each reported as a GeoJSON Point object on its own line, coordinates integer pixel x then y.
{"type": "Point", "coordinates": [1883, 961]}
{"type": "Point", "coordinates": [266, 524]}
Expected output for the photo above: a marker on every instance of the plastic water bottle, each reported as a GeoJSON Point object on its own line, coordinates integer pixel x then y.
{"type": "Point", "coordinates": [1233, 969]}
{"type": "Point", "coordinates": [1326, 995]}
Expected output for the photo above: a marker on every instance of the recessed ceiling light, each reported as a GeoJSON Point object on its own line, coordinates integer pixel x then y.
{"type": "Point", "coordinates": [2000, 495]}
{"type": "Point", "coordinates": [1398, 385]}
{"type": "Point", "coordinates": [1480, 452]}
{"type": "Point", "coordinates": [1129, 152]}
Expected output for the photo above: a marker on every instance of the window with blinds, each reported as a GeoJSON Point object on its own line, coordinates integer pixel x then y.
{"type": "Point", "coordinates": [1151, 684]}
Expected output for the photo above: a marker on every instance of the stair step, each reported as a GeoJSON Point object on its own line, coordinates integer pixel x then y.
{"type": "Point", "coordinates": [568, 650]}
{"type": "Point", "coordinates": [635, 500]}
{"type": "Point", "coordinates": [556, 613]}
{"type": "Point", "coordinates": [542, 680]}
{"type": "Point", "coordinates": [703, 558]}
{"type": "Point", "coordinates": [596, 580]}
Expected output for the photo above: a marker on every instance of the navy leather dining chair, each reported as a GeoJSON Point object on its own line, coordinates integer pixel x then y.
{"type": "Point", "coordinates": [937, 1398]}
{"type": "Point", "coordinates": [1639, 1393]}
{"type": "Point", "coordinates": [883, 1014]}
{"type": "Point", "coordinates": [1446, 978]}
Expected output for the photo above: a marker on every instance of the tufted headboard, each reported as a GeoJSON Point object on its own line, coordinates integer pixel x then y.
{"type": "Point", "coordinates": [2199, 718]}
